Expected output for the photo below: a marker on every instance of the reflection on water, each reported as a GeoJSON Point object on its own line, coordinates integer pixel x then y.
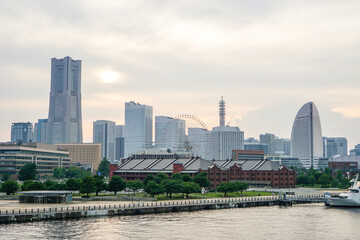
{"type": "Point", "coordinates": [313, 221]}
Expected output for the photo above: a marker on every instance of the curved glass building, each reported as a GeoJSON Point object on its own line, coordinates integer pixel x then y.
{"type": "Point", "coordinates": [306, 136]}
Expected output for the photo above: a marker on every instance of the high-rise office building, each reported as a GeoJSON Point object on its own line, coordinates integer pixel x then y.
{"type": "Point", "coordinates": [64, 122]}
{"type": "Point", "coordinates": [40, 131]}
{"type": "Point", "coordinates": [138, 127]}
{"type": "Point", "coordinates": [256, 147]}
{"type": "Point", "coordinates": [200, 142]}
{"type": "Point", "coordinates": [269, 140]}
{"type": "Point", "coordinates": [169, 132]}
{"type": "Point", "coordinates": [306, 136]}
{"type": "Point", "coordinates": [104, 133]}
{"type": "Point", "coordinates": [282, 146]}
{"type": "Point", "coordinates": [356, 150]}
{"type": "Point", "coordinates": [334, 146]}
{"type": "Point", "coordinates": [22, 132]}
{"type": "Point", "coordinates": [225, 139]}
{"type": "Point", "coordinates": [119, 142]}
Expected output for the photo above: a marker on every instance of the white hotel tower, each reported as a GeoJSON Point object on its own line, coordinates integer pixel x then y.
{"type": "Point", "coordinates": [306, 137]}
{"type": "Point", "coordinates": [224, 139]}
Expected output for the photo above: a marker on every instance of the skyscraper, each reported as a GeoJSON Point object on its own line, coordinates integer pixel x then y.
{"type": "Point", "coordinates": [64, 122]}
{"type": "Point", "coordinates": [200, 142]}
{"type": "Point", "coordinates": [104, 133]}
{"type": "Point", "coordinates": [224, 139]}
{"type": "Point", "coordinates": [169, 132]}
{"type": "Point", "coordinates": [138, 127]}
{"type": "Point", "coordinates": [40, 131]}
{"type": "Point", "coordinates": [269, 140]}
{"type": "Point", "coordinates": [119, 142]}
{"type": "Point", "coordinates": [22, 131]}
{"type": "Point", "coordinates": [306, 136]}
{"type": "Point", "coordinates": [335, 146]}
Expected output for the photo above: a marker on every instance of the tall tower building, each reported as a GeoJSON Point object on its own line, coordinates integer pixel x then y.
{"type": "Point", "coordinates": [169, 132]}
{"type": "Point", "coordinates": [138, 127]}
{"type": "Point", "coordinates": [22, 131]}
{"type": "Point", "coordinates": [306, 136]}
{"type": "Point", "coordinates": [64, 122]}
{"type": "Point", "coordinates": [269, 140]}
{"type": "Point", "coordinates": [224, 139]}
{"type": "Point", "coordinates": [40, 131]}
{"type": "Point", "coordinates": [119, 142]}
{"type": "Point", "coordinates": [104, 133]}
{"type": "Point", "coordinates": [334, 146]}
{"type": "Point", "coordinates": [200, 142]}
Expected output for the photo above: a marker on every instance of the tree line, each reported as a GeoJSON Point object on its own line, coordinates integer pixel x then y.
{"type": "Point", "coordinates": [311, 177]}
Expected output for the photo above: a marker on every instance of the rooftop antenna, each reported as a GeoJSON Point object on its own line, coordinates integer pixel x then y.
{"type": "Point", "coordinates": [222, 112]}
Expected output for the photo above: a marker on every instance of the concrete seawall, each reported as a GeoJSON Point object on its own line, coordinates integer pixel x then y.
{"type": "Point", "coordinates": [29, 215]}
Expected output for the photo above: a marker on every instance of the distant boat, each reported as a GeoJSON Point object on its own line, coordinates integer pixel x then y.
{"type": "Point", "coordinates": [350, 198]}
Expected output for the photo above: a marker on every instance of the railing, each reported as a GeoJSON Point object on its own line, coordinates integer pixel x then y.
{"type": "Point", "coordinates": [305, 198]}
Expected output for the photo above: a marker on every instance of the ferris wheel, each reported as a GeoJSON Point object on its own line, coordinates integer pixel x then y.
{"type": "Point", "coordinates": [190, 135]}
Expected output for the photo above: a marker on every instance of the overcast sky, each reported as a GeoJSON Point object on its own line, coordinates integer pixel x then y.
{"type": "Point", "coordinates": [267, 58]}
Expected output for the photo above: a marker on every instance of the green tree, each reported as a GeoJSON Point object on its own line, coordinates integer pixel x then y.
{"type": "Point", "coordinates": [344, 183]}
{"type": "Point", "coordinates": [226, 187]}
{"type": "Point", "coordinates": [72, 184]}
{"type": "Point", "coordinates": [48, 184]}
{"type": "Point", "coordinates": [312, 180]}
{"type": "Point", "coordinates": [202, 179]}
{"type": "Point", "coordinates": [172, 186]}
{"type": "Point", "coordinates": [339, 175]}
{"type": "Point", "coordinates": [241, 186]}
{"type": "Point", "coordinates": [334, 183]}
{"type": "Point", "coordinates": [25, 184]}
{"type": "Point", "coordinates": [187, 178]}
{"type": "Point", "coordinates": [73, 172]}
{"type": "Point", "coordinates": [161, 177]}
{"type": "Point", "coordinates": [35, 186]}
{"type": "Point", "coordinates": [302, 180]}
{"type": "Point", "coordinates": [190, 187]}
{"type": "Point", "coordinates": [103, 168]}
{"type": "Point", "coordinates": [59, 186]}
{"type": "Point", "coordinates": [327, 171]}
{"type": "Point", "coordinates": [324, 180]}
{"type": "Point", "coordinates": [134, 185]}
{"type": "Point", "coordinates": [154, 188]}
{"type": "Point", "coordinates": [148, 178]}
{"type": "Point", "coordinates": [99, 184]}
{"type": "Point", "coordinates": [9, 187]}
{"type": "Point", "coordinates": [59, 173]}
{"type": "Point", "coordinates": [28, 172]}
{"type": "Point", "coordinates": [5, 177]}
{"type": "Point", "coordinates": [176, 176]}
{"type": "Point", "coordinates": [88, 185]}
{"type": "Point", "coordinates": [116, 184]}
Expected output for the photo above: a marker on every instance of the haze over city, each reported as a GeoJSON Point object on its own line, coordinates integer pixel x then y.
{"type": "Point", "coordinates": [266, 58]}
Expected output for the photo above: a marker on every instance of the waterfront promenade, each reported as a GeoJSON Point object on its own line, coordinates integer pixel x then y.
{"type": "Point", "coordinates": [58, 212]}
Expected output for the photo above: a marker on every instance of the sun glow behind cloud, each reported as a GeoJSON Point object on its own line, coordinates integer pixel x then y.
{"type": "Point", "coordinates": [109, 76]}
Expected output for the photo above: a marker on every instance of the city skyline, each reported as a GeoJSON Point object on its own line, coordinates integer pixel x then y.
{"type": "Point", "coordinates": [266, 62]}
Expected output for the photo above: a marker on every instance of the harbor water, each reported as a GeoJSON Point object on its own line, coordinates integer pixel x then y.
{"type": "Point", "coordinates": [304, 221]}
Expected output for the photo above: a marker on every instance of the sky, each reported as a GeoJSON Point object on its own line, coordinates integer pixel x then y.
{"type": "Point", "coordinates": [267, 58]}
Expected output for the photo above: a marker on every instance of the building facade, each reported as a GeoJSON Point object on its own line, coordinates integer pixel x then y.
{"type": "Point", "coordinates": [47, 157]}
{"type": "Point", "coordinates": [334, 146]}
{"type": "Point", "coordinates": [169, 132]}
{"type": "Point", "coordinates": [255, 172]}
{"type": "Point", "coordinates": [119, 142]}
{"type": "Point", "coordinates": [22, 132]}
{"type": "Point", "coordinates": [269, 140]}
{"type": "Point", "coordinates": [224, 140]}
{"type": "Point", "coordinates": [256, 147]}
{"type": "Point", "coordinates": [84, 153]}
{"type": "Point", "coordinates": [138, 127]}
{"type": "Point", "coordinates": [306, 136]}
{"type": "Point", "coordinates": [356, 150]}
{"type": "Point", "coordinates": [104, 133]}
{"type": "Point", "coordinates": [200, 142]}
{"type": "Point", "coordinates": [40, 131]}
{"type": "Point", "coordinates": [65, 120]}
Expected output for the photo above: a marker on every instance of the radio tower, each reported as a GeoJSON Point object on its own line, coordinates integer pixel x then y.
{"type": "Point", "coordinates": [222, 112]}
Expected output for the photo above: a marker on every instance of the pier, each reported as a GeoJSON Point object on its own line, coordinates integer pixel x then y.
{"type": "Point", "coordinates": [63, 213]}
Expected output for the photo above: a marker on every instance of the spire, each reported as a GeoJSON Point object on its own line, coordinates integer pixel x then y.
{"type": "Point", "coordinates": [222, 112]}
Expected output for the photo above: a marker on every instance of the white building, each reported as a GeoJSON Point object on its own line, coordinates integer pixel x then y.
{"type": "Point", "coordinates": [306, 136]}
{"type": "Point", "coordinates": [64, 121]}
{"type": "Point", "coordinates": [200, 142]}
{"type": "Point", "coordinates": [169, 132]}
{"type": "Point", "coordinates": [224, 140]}
{"type": "Point", "coordinates": [104, 133]}
{"type": "Point", "coordinates": [138, 127]}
